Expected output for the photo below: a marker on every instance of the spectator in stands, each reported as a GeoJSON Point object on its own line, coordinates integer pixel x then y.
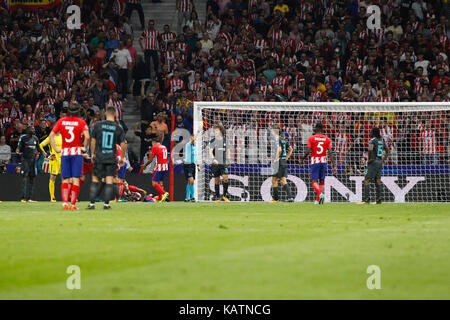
{"type": "Point", "coordinates": [132, 5]}
{"type": "Point", "coordinates": [184, 8]}
{"type": "Point", "coordinates": [5, 154]}
{"type": "Point", "coordinates": [147, 111]}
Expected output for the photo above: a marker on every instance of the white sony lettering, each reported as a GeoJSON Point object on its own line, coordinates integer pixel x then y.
{"type": "Point", "coordinates": [241, 193]}
{"type": "Point", "coordinates": [332, 182]}
{"type": "Point", "coordinates": [399, 193]}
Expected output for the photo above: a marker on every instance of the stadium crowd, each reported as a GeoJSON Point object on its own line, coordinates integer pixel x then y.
{"type": "Point", "coordinates": [255, 50]}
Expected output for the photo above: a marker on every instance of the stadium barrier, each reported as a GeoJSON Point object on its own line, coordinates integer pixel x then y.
{"type": "Point", "coordinates": [11, 186]}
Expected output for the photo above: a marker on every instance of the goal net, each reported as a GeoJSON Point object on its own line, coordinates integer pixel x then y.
{"type": "Point", "coordinates": [417, 135]}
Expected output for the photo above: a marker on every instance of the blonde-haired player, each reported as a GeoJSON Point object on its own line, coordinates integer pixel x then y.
{"type": "Point", "coordinates": [55, 163]}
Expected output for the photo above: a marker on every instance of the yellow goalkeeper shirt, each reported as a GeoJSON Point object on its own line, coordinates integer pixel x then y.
{"type": "Point", "coordinates": [58, 142]}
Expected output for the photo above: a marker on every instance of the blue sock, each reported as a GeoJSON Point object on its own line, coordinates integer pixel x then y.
{"type": "Point", "coordinates": [192, 191]}
{"type": "Point", "coordinates": [188, 192]}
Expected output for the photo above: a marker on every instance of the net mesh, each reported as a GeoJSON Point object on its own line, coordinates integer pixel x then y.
{"type": "Point", "coordinates": [417, 135]}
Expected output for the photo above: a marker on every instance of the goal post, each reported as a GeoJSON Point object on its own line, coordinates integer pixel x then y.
{"type": "Point", "coordinates": [417, 135]}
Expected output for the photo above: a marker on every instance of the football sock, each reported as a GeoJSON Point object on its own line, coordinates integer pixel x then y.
{"type": "Point", "coordinates": [65, 192]}
{"type": "Point", "coordinates": [217, 190]}
{"type": "Point", "coordinates": [51, 189]}
{"type": "Point", "coordinates": [24, 187]}
{"type": "Point", "coordinates": [70, 191]}
{"type": "Point", "coordinates": [109, 193]}
{"type": "Point", "coordinates": [192, 191]}
{"type": "Point", "coordinates": [287, 190]}
{"type": "Point", "coordinates": [366, 192]}
{"type": "Point", "coordinates": [30, 187]}
{"type": "Point", "coordinates": [74, 194]}
{"type": "Point", "coordinates": [225, 189]}
{"type": "Point", "coordinates": [275, 193]}
{"type": "Point", "coordinates": [322, 187]}
{"type": "Point", "coordinates": [115, 190]}
{"type": "Point", "coordinates": [188, 192]}
{"type": "Point", "coordinates": [121, 187]}
{"type": "Point", "coordinates": [316, 187]}
{"type": "Point", "coordinates": [94, 191]}
{"type": "Point", "coordinates": [378, 191]}
{"type": "Point", "coordinates": [160, 189]}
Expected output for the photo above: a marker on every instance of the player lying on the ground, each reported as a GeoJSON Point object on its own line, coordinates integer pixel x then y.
{"type": "Point", "coordinates": [73, 130]}
{"type": "Point", "coordinates": [105, 137]}
{"type": "Point", "coordinates": [319, 147]}
{"type": "Point", "coordinates": [283, 152]}
{"type": "Point", "coordinates": [374, 165]}
{"type": "Point", "coordinates": [133, 193]}
{"type": "Point", "coordinates": [160, 152]}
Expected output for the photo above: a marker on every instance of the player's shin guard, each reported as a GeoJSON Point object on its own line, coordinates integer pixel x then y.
{"type": "Point", "coordinates": [217, 190]}
{"type": "Point", "coordinates": [322, 187]}
{"type": "Point", "coordinates": [109, 193]}
{"type": "Point", "coordinates": [24, 187]}
{"type": "Point", "coordinates": [74, 194]}
{"type": "Point", "coordinates": [116, 191]}
{"type": "Point", "coordinates": [276, 195]}
{"type": "Point", "coordinates": [121, 188]}
{"type": "Point", "coordinates": [65, 192]}
{"type": "Point", "coordinates": [366, 193]}
{"type": "Point", "coordinates": [378, 192]}
{"type": "Point", "coordinates": [192, 191]}
{"type": "Point", "coordinates": [316, 188]}
{"type": "Point", "coordinates": [225, 189]}
{"type": "Point", "coordinates": [188, 192]}
{"type": "Point", "coordinates": [288, 191]}
{"type": "Point", "coordinates": [30, 187]}
{"type": "Point", "coordinates": [51, 189]}
{"type": "Point", "coordinates": [160, 189]}
{"type": "Point", "coordinates": [94, 191]}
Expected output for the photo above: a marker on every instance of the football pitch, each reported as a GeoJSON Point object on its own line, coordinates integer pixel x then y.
{"type": "Point", "coordinates": [225, 251]}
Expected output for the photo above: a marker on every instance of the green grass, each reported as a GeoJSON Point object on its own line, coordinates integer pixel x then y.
{"type": "Point", "coordinates": [225, 251]}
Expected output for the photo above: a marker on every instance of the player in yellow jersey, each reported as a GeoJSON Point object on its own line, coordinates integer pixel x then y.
{"type": "Point", "coordinates": [55, 163]}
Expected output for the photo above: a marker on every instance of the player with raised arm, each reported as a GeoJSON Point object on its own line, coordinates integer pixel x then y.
{"type": "Point", "coordinates": [377, 147]}
{"type": "Point", "coordinates": [160, 152]}
{"type": "Point", "coordinates": [106, 135]}
{"type": "Point", "coordinates": [73, 130]}
{"type": "Point", "coordinates": [220, 156]}
{"type": "Point", "coordinates": [55, 163]}
{"type": "Point", "coordinates": [319, 147]}
{"type": "Point", "coordinates": [283, 152]}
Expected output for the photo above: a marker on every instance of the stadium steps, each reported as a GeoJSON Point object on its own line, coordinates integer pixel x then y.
{"type": "Point", "coordinates": [163, 13]}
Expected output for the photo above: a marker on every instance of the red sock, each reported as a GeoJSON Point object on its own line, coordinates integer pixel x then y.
{"type": "Point", "coordinates": [159, 188]}
{"type": "Point", "coordinates": [74, 194]}
{"type": "Point", "coordinates": [316, 187]}
{"type": "Point", "coordinates": [120, 189]}
{"type": "Point", "coordinates": [65, 192]}
{"type": "Point", "coordinates": [69, 186]}
{"type": "Point", "coordinates": [322, 187]}
{"type": "Point", "coordinates": [156, 198]}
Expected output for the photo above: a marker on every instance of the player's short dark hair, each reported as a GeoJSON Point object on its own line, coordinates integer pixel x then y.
{"type": "Point", "coordinates": [111, 110]}
{"type": "Point", "coordinates": [277, 128]}
{"type": "Point", "coordinates": [376, 132]}
{"type": "Point", "coordinates": [221, 128]}
{"type": "Point", "coordinates": [318, 127]}
{"type": "Point", "coordinates": [74, 110]}
{"type": "Point", "coordinates": [29, 130]}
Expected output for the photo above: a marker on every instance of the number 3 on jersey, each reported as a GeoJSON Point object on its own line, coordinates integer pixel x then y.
{"type": "Point", "coordinates": [71, 134]}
